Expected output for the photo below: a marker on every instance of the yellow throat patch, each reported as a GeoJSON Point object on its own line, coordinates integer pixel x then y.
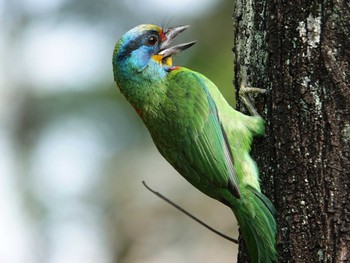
{"type": "Point", "coordinates": [159, 59]}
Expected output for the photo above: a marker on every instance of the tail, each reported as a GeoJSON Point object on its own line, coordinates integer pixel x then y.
{"type": "Point", "coordinates": [256, 217]}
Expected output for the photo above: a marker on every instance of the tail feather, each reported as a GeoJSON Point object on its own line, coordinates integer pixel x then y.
{"type": "Point", "coordinates": [265, 200]}
{"type": "Point", "coordinates": [255, 215]}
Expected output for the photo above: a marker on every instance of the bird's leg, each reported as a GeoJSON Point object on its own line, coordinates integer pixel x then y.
{"type": "Point", "coordinates": [244, 92]}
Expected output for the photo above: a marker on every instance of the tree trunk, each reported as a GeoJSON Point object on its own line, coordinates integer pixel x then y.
{"type": "Point", "coordinates": [300, 52]}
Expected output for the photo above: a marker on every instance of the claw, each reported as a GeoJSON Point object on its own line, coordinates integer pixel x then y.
{"type": "Point", "coordinates": [244, 91]}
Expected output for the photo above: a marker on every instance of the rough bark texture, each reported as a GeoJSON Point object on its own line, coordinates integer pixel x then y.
{"type": "Point", "coordinates": [300, 52]}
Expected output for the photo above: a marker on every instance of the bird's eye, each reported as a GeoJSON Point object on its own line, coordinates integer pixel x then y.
{"type": "Point", "coordinates": [152, 40]}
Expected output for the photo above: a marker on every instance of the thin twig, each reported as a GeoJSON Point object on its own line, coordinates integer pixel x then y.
{"type": "Point", "coordinates": [189, 214]}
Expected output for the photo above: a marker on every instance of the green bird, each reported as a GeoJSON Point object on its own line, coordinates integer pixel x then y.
{"type": "Point", "coordinates": [196, 130]}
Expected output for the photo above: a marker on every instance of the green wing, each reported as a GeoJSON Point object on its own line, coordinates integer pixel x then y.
{"type": "Point", "coordinates": [206, 156]}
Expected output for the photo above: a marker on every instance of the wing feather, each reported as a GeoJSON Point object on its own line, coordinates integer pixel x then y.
{"type": "Point", "coordinates": [208, 149]}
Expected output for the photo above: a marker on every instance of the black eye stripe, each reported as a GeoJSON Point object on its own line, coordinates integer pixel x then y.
{"type": "Point", "coordinates": [136, 43]}
{"type": "Point", "coordinates": [130, 48]}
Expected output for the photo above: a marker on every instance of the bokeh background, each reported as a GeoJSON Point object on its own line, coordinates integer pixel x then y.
{"type": "Point", "coordinates": [72, 151]}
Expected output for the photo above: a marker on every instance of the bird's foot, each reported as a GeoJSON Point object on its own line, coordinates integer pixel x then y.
{"type": "Point", "coordinates": [250, 90]}
{"type": "Point", "coordinates": [244, 92]}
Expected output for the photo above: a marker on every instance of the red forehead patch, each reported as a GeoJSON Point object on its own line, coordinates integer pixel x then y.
{"type": "Point", "coordinates": [162, 35]}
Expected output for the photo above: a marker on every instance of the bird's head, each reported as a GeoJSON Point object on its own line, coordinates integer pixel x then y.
{"type": "Point", "coordinates": [147, 45]}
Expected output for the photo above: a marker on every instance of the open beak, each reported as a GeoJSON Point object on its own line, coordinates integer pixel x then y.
{"type": "Point", "coordinates": [170, 34]}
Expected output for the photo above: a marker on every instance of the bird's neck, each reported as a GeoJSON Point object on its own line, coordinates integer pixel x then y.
{"type": "Point", "coordinates": [144, 87]}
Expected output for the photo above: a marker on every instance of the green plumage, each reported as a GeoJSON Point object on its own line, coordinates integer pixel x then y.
{"type": "Point", "coordinates": [203, 138]}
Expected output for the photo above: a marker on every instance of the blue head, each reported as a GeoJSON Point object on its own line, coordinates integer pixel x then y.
{"type": "Point", "coordinates": [144, 52]}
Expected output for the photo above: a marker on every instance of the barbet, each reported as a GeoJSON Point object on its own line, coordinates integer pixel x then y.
{"type": "Point", "coordinates": [196, 130]}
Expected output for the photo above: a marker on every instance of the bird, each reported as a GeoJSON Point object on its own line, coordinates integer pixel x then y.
{"type": "Point", "coordinates": [196, 130]}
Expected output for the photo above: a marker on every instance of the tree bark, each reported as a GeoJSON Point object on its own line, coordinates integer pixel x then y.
{"type": "Point", "coordinates": [300, 52]}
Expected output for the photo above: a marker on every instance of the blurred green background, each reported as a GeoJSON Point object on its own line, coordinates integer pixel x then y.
{"type": "Point", "coordinates": [73, 153]}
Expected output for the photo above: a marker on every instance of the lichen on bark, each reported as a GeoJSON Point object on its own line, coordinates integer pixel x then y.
{"type": "Point", "coordinates": [300, 52]}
